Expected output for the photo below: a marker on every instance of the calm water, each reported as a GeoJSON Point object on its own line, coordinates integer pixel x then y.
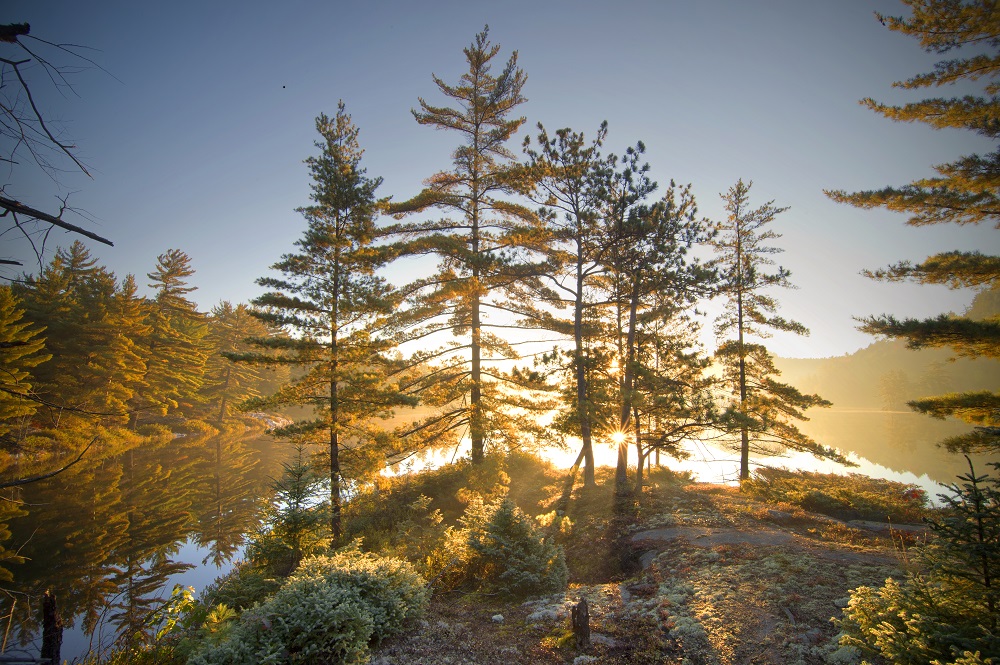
{"type": "Point", "coordinates": [112, 537]}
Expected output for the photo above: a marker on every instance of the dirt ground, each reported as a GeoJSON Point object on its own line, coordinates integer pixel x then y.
{"type": "Point", "coordinates": [715, 578]}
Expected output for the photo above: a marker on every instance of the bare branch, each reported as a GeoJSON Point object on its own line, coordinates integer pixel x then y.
{"type": "Point", "coordinates": [34, 479]}
{"type": "Point", "coordinates": [17, 207]}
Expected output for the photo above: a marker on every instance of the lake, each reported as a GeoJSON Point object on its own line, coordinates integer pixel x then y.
{"type": "Point", "coordinates": [111, 537]}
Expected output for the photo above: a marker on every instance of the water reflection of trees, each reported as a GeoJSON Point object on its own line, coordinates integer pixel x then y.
{"type": "Point", "coordinates": [105, 537]}
{"type": "Point", "coordinates": [229, 507]}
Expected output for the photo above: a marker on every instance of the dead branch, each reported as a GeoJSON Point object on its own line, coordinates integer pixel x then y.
{"type": "Point", "coordinates": [34, 479]}
{"type": "Point", "coordinates": [16, 207]}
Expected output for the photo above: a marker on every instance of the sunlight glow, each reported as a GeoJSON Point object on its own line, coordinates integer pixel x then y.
{"type": "Point", "coordinates": [618, 437]}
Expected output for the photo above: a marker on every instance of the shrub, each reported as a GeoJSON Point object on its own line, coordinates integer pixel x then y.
{"type": "Point", "coordinates": [153, 654]}
{"type": "Point", "coordinates": [948, 609]}
{"type": "Point", "coordinates": [243, 587]}
{"type": "Point", "coordinates": [393, 590]}
{"type": "Point", "coordinates": [914, 622]}
{"type": "Point", "coordinates": [306, 621]}
{"type": "Point", "coordinates": [328, 611]}
{"type": "Point", "coordinates": [508, 554]}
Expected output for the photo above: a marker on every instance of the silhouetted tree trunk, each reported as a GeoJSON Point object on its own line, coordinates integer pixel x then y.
{"type": "Point", "coordinates": [52, 627]}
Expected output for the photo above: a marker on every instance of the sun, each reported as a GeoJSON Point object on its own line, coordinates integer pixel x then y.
{"type": "Point", "coordinates": [618, 437]}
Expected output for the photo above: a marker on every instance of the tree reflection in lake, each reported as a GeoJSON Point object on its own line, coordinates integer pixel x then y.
{"type": "Point", "coordinates": [104, 536]}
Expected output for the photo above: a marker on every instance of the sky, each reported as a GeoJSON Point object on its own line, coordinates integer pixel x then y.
{"type": "Point", "coordinates": [197, 121]}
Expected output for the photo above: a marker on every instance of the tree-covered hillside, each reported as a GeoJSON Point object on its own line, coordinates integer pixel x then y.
{"type": "Point", "coordinates": [886, 375]}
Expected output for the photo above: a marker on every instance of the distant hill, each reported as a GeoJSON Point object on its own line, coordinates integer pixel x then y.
{"type": "Point", "coordinates": [885, 375]}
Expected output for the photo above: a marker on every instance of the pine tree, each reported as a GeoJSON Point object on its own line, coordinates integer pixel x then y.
{"type": "Point", "coordinates": [948, 606]}
{"type": "Point", "coordinates": [963, 192]}
{"type": "Point", "coordinates": [624, 185]}
{"type": "Point", "coordinates": [125, 369]}
{"type": "Point", "coordinates": [110, 367]}
{"type": "Point", "coordinates": [21, 349]}
{"type": "Point", "coordinates": [337, 308]}
{"type": "Point", "coordinates": [647, 275]}
{"type": "Point", "coordinates": [297, 522]}
{"type": "Point", "coordinates": [762, 406]}
{"type": "Point", "coordinates": [230, 330]}
{"type": "Point", "coordinates": [564, 170]}
{"type": "Point", "coordinates": [482, 247]}
{"type": "Point", "coordinates": [174, 347]}
{"type": "Point", "coordinates": [673, 396]}
{"type": "Point", "coordinates": [53, 300]}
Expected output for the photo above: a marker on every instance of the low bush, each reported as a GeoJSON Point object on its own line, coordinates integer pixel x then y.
{"type": "Point", "coordinates": [947, 609]}
{"type": "Point", "coordinates": [242, 588]}
{"type": "Point", "coordinates": [391, 588]}
{"type": "Point", "coordinates": [328, 611]}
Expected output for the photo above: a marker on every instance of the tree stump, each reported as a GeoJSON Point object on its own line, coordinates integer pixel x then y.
{"type": "Point", "coordinates": [581, 623]}
{"type": "Point", "coordinates": [52, 628]}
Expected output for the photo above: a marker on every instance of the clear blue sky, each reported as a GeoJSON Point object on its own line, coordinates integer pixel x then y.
{"type": "Point", "coordinates": [197, 137]}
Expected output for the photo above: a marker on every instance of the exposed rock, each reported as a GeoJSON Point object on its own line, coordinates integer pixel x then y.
{"type": "Point", "coordinates": [712, 536]}
{"type": "Point", "coordinates": [648, 558]}
{"type": "Point", "coordinates": [886, 527]}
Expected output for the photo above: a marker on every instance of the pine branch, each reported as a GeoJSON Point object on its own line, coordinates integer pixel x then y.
{"type": "Point", "coordinates": [966, 338]}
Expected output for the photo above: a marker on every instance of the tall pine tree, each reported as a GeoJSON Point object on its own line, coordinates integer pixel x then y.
{"type": "Point", "coordinates": [226, 383]}
{"type": "Point", "coordinates": [763, 408]}
{"type": "Point", "coordinates": [21, 349]}
{"type": "Point", "coordinates": [337, 309]}
{"type": "Point", "coordinates": [565, 170]}
{"type": "Point", "coordinates": [649, 277]}
{"type": "Point", "coordinates": [481, 244]}
{"type": "Point", "coordinates": [965, 191]}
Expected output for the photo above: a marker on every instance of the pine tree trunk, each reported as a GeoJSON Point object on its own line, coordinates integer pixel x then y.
{"type": "Point", "coordinates": [52, 629]}
{"type": "Point", "coordinates": [335, 524]}
{"type": "Point", "coordinates": [638, 450]}
{"type": "Point", "coordinates": [476, 428]}
{"type": "Point", "coordinates": [223, 400]}
{"type": "Point", "coordinates": [744, 432]}
{"type": "Point", "coordinates": [476, 397]}
{"type": "Point", "coordinates": [582, 403]}
{"type": "Point", "coordinates": [621, 471]}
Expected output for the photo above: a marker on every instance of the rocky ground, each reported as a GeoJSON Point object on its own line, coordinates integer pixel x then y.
{"type": "Point", "coordinates": [711, 577]}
